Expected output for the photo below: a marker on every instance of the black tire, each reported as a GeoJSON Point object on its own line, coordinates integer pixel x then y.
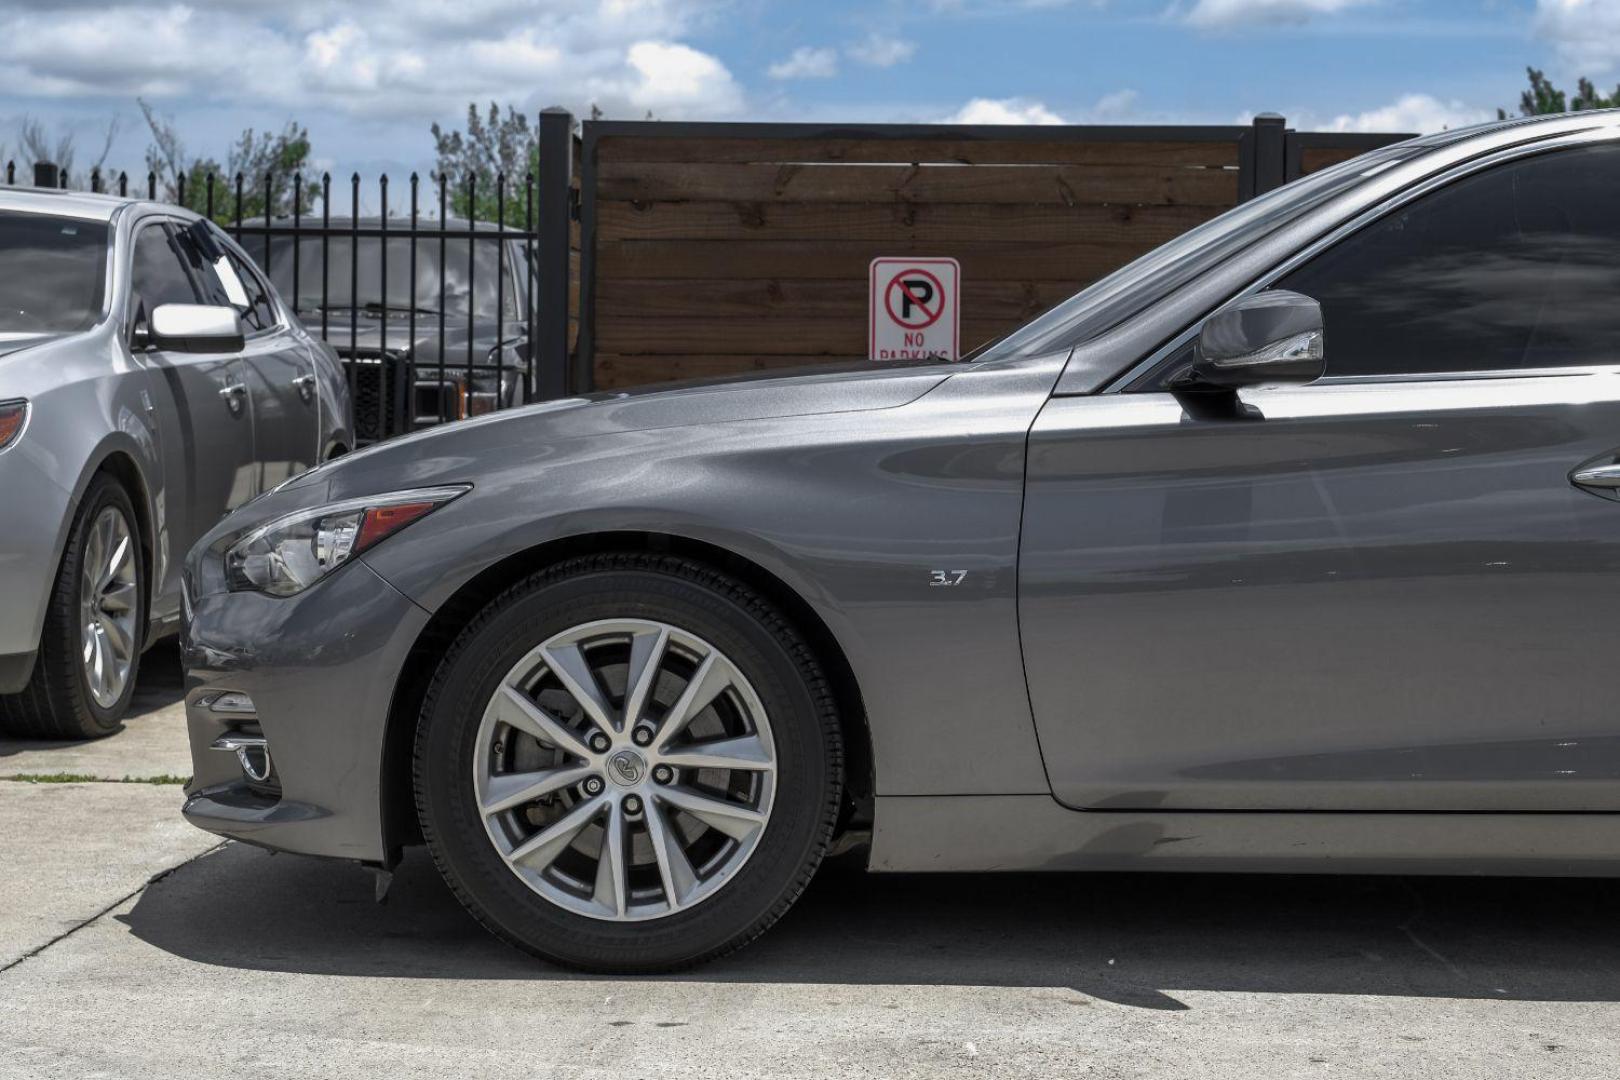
{"type": "Point", "coordinates": [763, 645]}
{"type": "Point", "coordinates": [57, 703]}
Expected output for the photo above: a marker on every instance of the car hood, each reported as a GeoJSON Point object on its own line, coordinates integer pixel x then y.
{"type": "Point", "coordinates": [503, 435]}
{"type": "Point", "coordinates": [368, 335]}
{"type": "Point", "coordinates": [12, 343]}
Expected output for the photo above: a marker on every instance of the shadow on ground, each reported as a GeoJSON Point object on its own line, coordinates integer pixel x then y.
{"type": "Point", "coordinates": [1131, 939]}
{"type": "Point", "coordinates": [161, 683]}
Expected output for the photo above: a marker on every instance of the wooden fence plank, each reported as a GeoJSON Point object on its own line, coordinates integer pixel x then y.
{"type": "Point", "coordinates": [643, 298]}
{"type": "Point", "coordinates": [1314, 158]}
{"type": "Point", "coordinates": [1067, 261]}
{"type": "Point", "coordinates": [943, 226]}
{"type": "Point", "coordinates": [1025, 185]}
{"type": "Point", "coordinates": [964, 151]}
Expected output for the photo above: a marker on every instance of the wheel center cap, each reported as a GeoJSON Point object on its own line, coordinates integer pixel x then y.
{"type": "Point", "coordinates": [627, 768]}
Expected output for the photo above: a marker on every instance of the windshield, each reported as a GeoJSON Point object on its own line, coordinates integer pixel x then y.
{"type": "Point", "coordinates": [53, 273]}
{"type": "Point", "coordinates": [1134, 287]}
{"type": "Point", "coordinates": [423, 293]}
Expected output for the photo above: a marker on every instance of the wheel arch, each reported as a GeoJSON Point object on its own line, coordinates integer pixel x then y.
{"type": "Point", "coordinates": [399, 823]}
{"type": "Point", "coordinates": [120, 462]}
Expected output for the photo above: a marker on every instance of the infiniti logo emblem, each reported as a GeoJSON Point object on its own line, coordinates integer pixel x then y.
{"type": "Point", "coordinates": [627, 767]}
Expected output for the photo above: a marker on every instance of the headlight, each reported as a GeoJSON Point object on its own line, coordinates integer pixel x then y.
{"type": "Point", "coordinates": [291, 553]}
{"type": "Point", "coordinates": [12, 415]}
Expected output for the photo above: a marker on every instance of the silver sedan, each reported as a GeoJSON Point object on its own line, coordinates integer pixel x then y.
{"type": "Point", "coordinates": [150, 381]}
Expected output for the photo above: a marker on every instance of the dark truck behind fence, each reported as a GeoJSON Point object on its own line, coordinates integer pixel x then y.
{"type": "Point", "coordinates": [642, 252]}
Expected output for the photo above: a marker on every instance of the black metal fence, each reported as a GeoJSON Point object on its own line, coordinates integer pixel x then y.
{"type": "Point", "coordinates": [436, 315]}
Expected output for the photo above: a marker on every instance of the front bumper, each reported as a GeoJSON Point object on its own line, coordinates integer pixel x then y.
{"type": "Point", "coordinates": [320, 669]}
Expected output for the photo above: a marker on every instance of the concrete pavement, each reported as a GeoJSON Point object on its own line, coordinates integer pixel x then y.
{"type": "Point", "coordinates": [233, 961]}
{"type": "Point", "coordinates": [152, 743]}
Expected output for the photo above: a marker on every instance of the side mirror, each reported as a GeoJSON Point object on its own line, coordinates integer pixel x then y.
{"type": "Point", "coordinates": [195, 328]}
{"type": "Point", "coordinates": [1267, 337]}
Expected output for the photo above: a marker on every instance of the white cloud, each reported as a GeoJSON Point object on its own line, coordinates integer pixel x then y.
{"type": "Point", "coordinates": [1112, 108]}
{"type": "Point", "coordinates": [674, 80]}
{"type": "Point", "coordinates": [1585, 33]}
{"type": "Point", "coordinates": [373, 58]}
{"type": "Point", "coordinates": [1417, 113]}
{"type": "Point", "coordinates": [1004, 111]}
{"type": "Point", "coordinates": [1221, 14]}
{"type": "Point", "coordinates": [806, 63]}
{"type": "Point", "coordinates": [881, 52]}
{"type": "Point", "coordinates": [1118, 107]}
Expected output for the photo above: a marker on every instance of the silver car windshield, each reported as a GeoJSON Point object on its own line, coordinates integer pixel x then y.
{"type": "Point", "coordinates": [54, 271]}
{"type": "Point", "coordinates": [1135, 286]}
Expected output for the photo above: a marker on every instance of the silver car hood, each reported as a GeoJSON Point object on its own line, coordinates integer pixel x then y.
{"type": "Point", "coordinates": [12, 343]}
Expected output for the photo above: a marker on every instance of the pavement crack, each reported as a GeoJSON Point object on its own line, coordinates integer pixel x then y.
{"type": "Point", "coordinates": [115, 905]}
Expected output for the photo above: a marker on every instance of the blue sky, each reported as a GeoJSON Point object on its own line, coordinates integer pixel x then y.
{"type": "Point", "coordinates": [368, 78]}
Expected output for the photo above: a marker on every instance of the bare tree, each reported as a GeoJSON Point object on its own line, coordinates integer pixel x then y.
{"type": "Point", "coordinates": [35, 144]}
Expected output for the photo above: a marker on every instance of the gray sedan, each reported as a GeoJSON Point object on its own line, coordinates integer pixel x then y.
{"type": "Point", "coordinates": [150, 381]}
{"type": "Point", "coordinates": [1292, 546]}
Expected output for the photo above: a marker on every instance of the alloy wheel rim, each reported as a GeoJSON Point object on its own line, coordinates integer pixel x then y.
{"type": "Point", "coordinates": [625, 769]}
{"type": "Point", "coordinates": [108, 604]}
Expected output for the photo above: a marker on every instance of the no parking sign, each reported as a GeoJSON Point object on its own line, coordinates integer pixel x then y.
{"type": "Point", "coordinates": [913, 309]}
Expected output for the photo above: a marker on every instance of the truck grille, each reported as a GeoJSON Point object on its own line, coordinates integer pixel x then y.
{"type": "Point", "coordinates": [378, 390]}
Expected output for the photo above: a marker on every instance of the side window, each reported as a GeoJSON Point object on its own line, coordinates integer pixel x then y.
{"type": "Point", "coordinates": [257, 309]}
{"type": "Point", "coordinates": [228, 281]}
{"type": "Point", "coordinates": [157, 273]}
{"type": "Point", "coordinates": [1515, 267]}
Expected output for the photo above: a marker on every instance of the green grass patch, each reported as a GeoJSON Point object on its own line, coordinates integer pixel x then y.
{"type": "Point", "coordinates": [86, 778]}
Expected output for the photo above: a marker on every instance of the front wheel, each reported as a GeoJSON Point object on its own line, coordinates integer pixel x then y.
{"type": "Point", "coordinates": [628, 763]}
{"type": "Point", "coordinates": [90, 651]}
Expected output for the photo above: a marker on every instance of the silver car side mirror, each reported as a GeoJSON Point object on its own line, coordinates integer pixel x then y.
{"type": "Point", "coordinates": [195, 328]}
{"type": "Point", "coordinates": [1267, 337]}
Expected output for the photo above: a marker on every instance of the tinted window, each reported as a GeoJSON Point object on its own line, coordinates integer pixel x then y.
{"type": "Point", "coordinates": [1516, 267]}
{"type": "Point", "coordinates": [54, 272]}
{"type": "Point", "coordinates": [159, 276]}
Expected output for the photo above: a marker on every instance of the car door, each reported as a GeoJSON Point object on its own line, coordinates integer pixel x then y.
{"type": "Point", "coordinates": [278, 367]}
{"type": "Point", "coordinates": [204, 415]}
{"type": "Point", "coordinates": [1383, 591]}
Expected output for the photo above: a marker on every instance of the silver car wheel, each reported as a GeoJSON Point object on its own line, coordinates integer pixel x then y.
{"type": "Point", "coordinates": [625, 769]}
{"type": "Point", "coordinates": [108, 606]}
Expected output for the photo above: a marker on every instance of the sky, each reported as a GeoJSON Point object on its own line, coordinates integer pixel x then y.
{"type": "Point", "coordinates": [368, 78]}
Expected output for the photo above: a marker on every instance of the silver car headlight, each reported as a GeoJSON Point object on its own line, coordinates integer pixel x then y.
{"type": "Point", "coordinates": [288, 555]}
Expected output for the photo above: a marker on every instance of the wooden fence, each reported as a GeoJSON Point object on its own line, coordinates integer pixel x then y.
{"type": "Point", "coordinates": [713, 249]}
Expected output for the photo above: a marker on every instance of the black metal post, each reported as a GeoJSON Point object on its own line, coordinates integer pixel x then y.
{"type": "Point", "coordinates": [472, 251]}
{"type": "Point", "coordinates": [444, 214]}
{"type": "Point", "coordinates": [500, 290]}
{"type": "Point", "coordinates": [1263, 156]}
{"type": "Point", "coordinates": [410, 334]}
{"type": "Point", "coordinates": [527, 313]}
{"type": "Point", "coordinates": [326, 260]}
{"type": "Point", "coordinates": [297, 233]}
{"type": "Point", "coordinates": [548, 326]}
{"type": "Point", "coordinates": [381, 431]}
